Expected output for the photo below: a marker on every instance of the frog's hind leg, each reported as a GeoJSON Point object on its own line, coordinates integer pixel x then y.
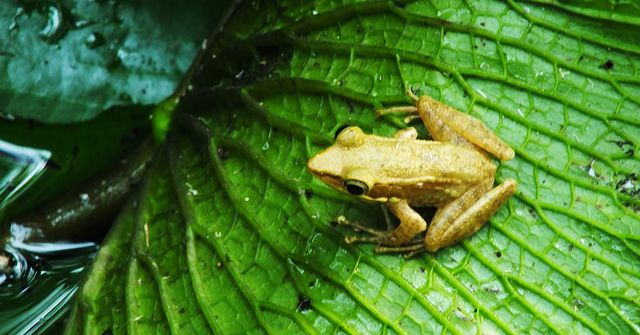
{"type": "Point", "coordinates": [446, 124]}
{"type": "Point", "coordinates": [467, 214]}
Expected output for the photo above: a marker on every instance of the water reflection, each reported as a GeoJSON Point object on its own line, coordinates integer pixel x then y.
{"type": "Point", "coordinates": [36, 279]}
{"type": "Point", "coordinates": [19, 167]}
{"type": "Point", "coordinates": [43, 279]}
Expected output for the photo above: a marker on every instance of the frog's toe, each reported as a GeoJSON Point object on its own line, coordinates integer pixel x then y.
{"type": "Point", "coordinates": [409, 92]}
{"type": "Point", "coordinates": [386, 238]}
{"type": "Point", "coordinates": [376, 235]}
{"type": "Point", "coordinates": [379, 237]}
{"type": "Point", "coordinates": [364, 239]}
{"type": "Point", "coordinates": [408, 250]}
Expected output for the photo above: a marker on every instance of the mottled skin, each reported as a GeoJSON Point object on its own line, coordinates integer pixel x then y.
{"type": "Point", "coordinates": [452, 173]}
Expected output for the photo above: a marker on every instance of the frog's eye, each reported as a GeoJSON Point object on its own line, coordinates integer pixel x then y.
{"type": "Point", "coordinates": [355, 187]}
{"type": "Point", "coordinates": [351, 137]}
{"type": "Point", "coordinates": [339, 130]}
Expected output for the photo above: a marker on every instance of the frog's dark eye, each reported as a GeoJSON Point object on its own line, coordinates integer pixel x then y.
{"type": "Point", "coordinates": [355, 187]}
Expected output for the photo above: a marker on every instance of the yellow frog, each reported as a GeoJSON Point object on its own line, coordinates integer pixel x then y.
{"type": "Point", "coordinates": [452, 173]}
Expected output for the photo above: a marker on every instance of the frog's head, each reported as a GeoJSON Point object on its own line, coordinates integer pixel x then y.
{"type": "Point", "coordinates": [338, 165]}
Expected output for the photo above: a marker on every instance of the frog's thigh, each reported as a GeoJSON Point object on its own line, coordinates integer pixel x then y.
{"type": "Point", "coordinates": [446, 124]}
{"type": "Point", "coordinates": [411, 223]}
{"type": "Point", "coordinates": [409, 133]}
{"type": "Point", "coordinates": [467, 214]}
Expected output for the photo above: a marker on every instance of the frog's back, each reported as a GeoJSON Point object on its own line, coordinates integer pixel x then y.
{"type": "Point", "coordinates": [428, 172]}
{"type": "Point", "coordinates": [422, 159]}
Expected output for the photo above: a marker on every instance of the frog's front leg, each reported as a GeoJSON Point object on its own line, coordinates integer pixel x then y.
{"type": "Point", "coordinates": [409, 133]}
{"type": "Point", "coordinates": [411, 224]}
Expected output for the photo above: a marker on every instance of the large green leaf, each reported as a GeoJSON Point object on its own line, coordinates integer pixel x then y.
{"type": "Point", "coordinates": [232, 234]}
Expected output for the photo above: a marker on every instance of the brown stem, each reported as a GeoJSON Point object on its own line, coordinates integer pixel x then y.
{"type": "Point", "coordinates": [85, 212]}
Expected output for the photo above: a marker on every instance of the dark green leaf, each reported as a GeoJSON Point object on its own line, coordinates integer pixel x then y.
{"type": "Point", "coordinates": [67, 61]}
{"type": "Point", "coordinates": [78, 151]}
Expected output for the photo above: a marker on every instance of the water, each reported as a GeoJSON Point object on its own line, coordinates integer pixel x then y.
{"type": "Point", "coordinates": [55, 23]}
{"type": "Point", "coordinates": [19, 167]}
{"type": "Point", "coordinates": [37, 280]}
{"type": "Point", "coordinates": [54, 18]}
{"type": "Point", "coordinates": [36, 291]}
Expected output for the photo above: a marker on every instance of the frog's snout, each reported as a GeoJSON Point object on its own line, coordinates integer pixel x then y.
{"type": "Point", "coordinates": [325, 163]}
{"type": "Point", "coordinates": [312, 164]}
{"type": "Point", "coordinates": [323, 167]}
{"type": "Point", "coordinates": [320, 164]}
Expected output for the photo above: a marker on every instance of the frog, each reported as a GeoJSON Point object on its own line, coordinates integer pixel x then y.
{"type": "Point", "coordinates": [453, 172]}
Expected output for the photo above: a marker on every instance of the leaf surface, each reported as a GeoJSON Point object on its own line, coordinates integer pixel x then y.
{"type": "Point", "coordinates": [245, 228]}
{"type": "Point", "coordinates": [67, 61]}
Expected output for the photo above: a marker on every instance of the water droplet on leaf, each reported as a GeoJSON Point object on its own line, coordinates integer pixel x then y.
{"type": "Point", "coordinates": [95, 40]}
{"type": "Point", "coordinates": [56, 26]}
